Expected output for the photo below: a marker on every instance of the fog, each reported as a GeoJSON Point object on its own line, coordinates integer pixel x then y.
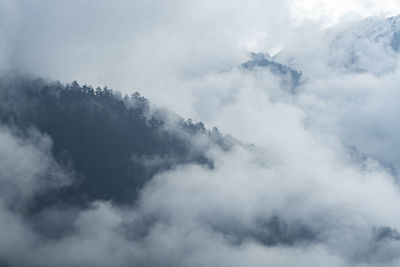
{"type": "Point", "coordinates": [311, 181]}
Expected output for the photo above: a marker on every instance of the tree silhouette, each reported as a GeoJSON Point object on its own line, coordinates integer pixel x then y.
{"type": "Point", "coordinates": [104, 137]}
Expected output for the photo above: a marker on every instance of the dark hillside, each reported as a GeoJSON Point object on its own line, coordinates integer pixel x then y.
{"type": "Point", "coordinates": [113, 144]}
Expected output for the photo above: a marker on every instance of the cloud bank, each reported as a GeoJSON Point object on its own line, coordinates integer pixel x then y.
{"type": "Point", "coordinates": [318, 186]}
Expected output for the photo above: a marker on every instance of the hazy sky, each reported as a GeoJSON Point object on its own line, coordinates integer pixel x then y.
{"type": "Point", "coordinates": [124, 44]}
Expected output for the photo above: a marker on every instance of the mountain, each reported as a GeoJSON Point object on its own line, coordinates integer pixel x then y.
{"type": "Point", "coordinates": [287, 76]}
{"type": "Point", "coordinates": [386, 31]}
{"type": "Point", "coordinates": [112, 144]}
{"type": "Point", "coordinates": [370, 45]}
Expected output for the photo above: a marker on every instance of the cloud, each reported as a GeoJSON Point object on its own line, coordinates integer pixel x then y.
{"type": "Point", "coordinates": [319, 186]}
{"type": "Point", "coordinates": [242, 212]}
{"type": "Point", "coordinates": [27, 167]}
{"type": "Point", "coordinates": [125, 45]}
{"type": "Point", "coordinates": [9, 24]}
{"type": "Point", "coordinates": [330, 13]}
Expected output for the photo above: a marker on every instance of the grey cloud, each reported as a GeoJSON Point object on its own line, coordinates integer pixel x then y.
{"type": "Point", "coordinates": [27, 166]}
{"type": "Point", "coordinates": [124, 45]}
{"type": "Point", "coordinates": [315, 190]}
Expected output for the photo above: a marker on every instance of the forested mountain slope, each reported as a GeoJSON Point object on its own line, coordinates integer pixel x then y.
{"type": "Point", "coordinates": [111, 144]}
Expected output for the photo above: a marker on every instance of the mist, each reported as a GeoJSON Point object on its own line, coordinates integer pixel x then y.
{"type": "Point", "coordinates": [243, 133]}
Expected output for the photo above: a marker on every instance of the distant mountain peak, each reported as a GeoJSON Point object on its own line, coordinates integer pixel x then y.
{"type": "Point", "coordinates": [394, 21]}
{"type": "Point", "coordinates": [289, 76]}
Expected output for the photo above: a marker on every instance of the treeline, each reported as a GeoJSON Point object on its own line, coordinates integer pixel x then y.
{"type": "Point", "coordinates": [288, 77]}
{"type": "Point", "coordinates": [114, 144]}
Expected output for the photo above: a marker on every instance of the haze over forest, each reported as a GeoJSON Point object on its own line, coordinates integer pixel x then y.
{"type": "Point", "coordinates": [199, 133]}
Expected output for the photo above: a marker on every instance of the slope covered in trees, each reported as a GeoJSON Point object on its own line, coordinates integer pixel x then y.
{"type": "Point", "coordinates": [112, 144]}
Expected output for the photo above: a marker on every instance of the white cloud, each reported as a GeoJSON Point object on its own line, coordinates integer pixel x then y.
{"type": "Point", "coordinates": [333, 12]}
{"type": "Point", "coordinates": [183, 55]}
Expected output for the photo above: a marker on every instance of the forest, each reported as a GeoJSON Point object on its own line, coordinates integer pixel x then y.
{"type": "Point", "coordinates": [110, 144]}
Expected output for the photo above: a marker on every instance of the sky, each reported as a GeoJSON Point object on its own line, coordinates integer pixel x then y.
{"type": "Point", "coordinates": [326, 157]}
{"type": "Point", "coordinates": [124, 45]}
